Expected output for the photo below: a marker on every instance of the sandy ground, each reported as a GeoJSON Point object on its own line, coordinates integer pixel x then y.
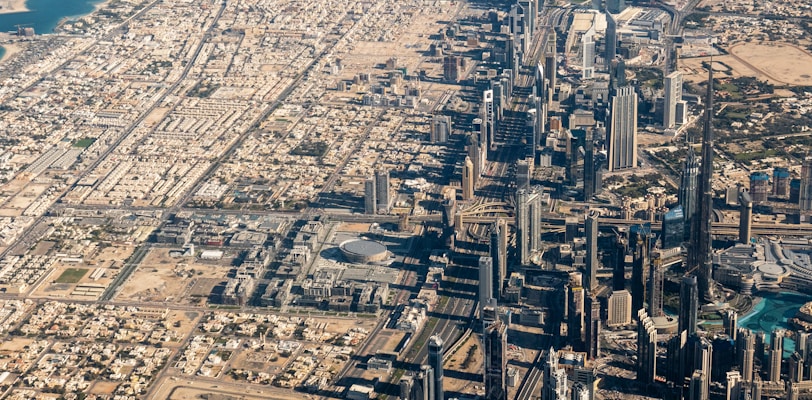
{"type": "Point", "coordinates": [780, 62]}
{"type": "Point", "coordinates": [777, 63]}
{"type": "Point", "coordinates": [474, 366]}
{"type": "Point", "coordinates": [160, 278]}
{"type": "Point", "coordinates": [11, 49]}
{"type": "Point", "coordinates": [174, 389]}
{"type": "Point", "coordinates": [12, 6]}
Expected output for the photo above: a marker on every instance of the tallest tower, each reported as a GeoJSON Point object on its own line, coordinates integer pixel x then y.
{"type": "Point", "coordinates": [702, 262]}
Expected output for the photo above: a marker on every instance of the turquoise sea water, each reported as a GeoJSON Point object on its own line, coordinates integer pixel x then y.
{"type": "Point", "coordinates": [772, 313]}
{"type": "Point", "coordinates": [44, 15]}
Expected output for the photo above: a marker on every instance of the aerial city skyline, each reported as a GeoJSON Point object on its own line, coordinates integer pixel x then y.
{"type": "Point", "coordinates": [423, 200]}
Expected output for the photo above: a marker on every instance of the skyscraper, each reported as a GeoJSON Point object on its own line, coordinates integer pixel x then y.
{"type": "Point", "coordinates": [622, 129]}
{"type": "Point", "coordinates": [673, 233]}
{"type": "Point", "coordinates": [796, 367]}
{"type": "Point", "coordinates": [495, 343]}
{"type": "Point", "coordinates": [485, 281]}
{"type": "Point", "coordinates": [591, 230]}
{"type": "Point", "coordinates": [382, 190]}
{"type": "Point", "coordinates": [370, 202]}
{"type": "Point", "coordinates": [776, 355]}
{"type": "Point", "coordinates": [733, 386]}
{"type": "Point", "coordinates": [745, 351]}
{"type": "Point", "coordinates": [425, 378]}
{"type": "Point", "coordinates": [588, 54]}
{"type": "Point", "coordinates": [615, 6]}
{"type": "Point", "coordinates": [575, 311]}
{"type": "Point", "coordinates": [452, 66]}
{"type": "Point", "coordinates": [579, 392]}
{"type": "Point", "coordinates": [730, 320]}
{"type": "Point", "coordinates": [617, 73]}
{"type": "Point", "coordinates": [654, 288]}
{"type": "Point", "coordinates": [551, 64]}
{"type": "Point", "coordinates": [700, 261]}
{"type": "Point", "coordinates": [619, 267]}
{"type": "Point", "coordinates": [805, 199]}
{"type": "Point", "coordinates": [703, 360]}
{"type": "Point", "coordinates": [524, 170]}
{"type": "Point", "coordinates": [528, 220]}
{"type": "Point", "coordinates": [440, 128]}
{"type": "Point", "coordinates": [673, 94]}
{"type": "Point", "coordinates": [407, 386]}
{"type": "Point", "coordinates": [589, 166]}
{"type": "Point", "coordinates": [541, 98]}
{"type": "Point", "coordinates": [677, 360]}
{"type": "Point", "coordinates": [436, 363]}
{"type": "Point", "coordinates": [745, 217]}
{"type": "Point", "coordinates": [688, 304]}
{"type": "Point", "coordinates": [611, 40]}
{"type": "Point", "coordinates": [554, 386]}
{"type": "Point", "coordinates": [619, 308]}
{"type": "Point", "coordinates": [646, 348]}
{"type": "Point", "coordinates": [488, 120]}
{"type": "Point", "coordinates": [640, 239]}
{"type": "Point", "coordinates": [698, 389]}
{"type": "Point", "coordinates": [468, 179]}
{"type": "Point", "coordinates": [687, 190]}
{"type": "Point", "coordinates": [474, 149]}
{"type": "Point", "coordinates": [592, 328]}
{"type": "Point", "coordinates": [759, 186]}
{"type": "Point", "coordinates": [499, 242]}
{"type": "Point", "coordinates": [756, 388]}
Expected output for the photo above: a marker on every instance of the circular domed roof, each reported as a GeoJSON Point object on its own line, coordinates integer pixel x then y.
{"type": "Point", "coordinates": [364, 251]}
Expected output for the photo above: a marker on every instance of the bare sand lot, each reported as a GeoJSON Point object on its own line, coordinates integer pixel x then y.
{"type": "Point", "coordinates": [777, 63]}
{"type": "Point", "coordinates": [780, 62]}
{"type": "Point", "coordinates": [175, 389]}
{"type": "Point", "coordinates": [161, 277]}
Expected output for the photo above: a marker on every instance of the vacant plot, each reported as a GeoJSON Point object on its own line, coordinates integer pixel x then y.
{"type": "Point", "coordinates": [161, 277]}
{"type": "Point", "coordinates": [71, 275]}
{"type": "Point", "coordinates": [776, 63]}
{"type": "Point", "coordinates": [779, 62]}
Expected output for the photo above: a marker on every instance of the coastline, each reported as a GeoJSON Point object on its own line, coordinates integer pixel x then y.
{"type": "Point", "coordinates": [13, 6]}
{"type": "Point", "coordinates": [97, 5]}
{"type": "Point", "coordinates": [9, 49]}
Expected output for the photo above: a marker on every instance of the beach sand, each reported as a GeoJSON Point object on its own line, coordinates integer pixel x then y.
{"type": "Point", "coordinates": [11, 49]}
{"type": "Point", "coordinates": [12, 6]}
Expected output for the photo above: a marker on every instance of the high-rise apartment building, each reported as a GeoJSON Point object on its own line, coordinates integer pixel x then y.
{"type": "Point", "coordinates": [382, 190]}
{"type": "Point", "coordinates": [485, 281]}
{"type": "Point", "coordinates": [498, 251]}
{"type": "Point", "coordinates": [776, 355]}
{"type": "Point", "coordinates": [528, 223]}
{"type": "Point", "coordinates": [622, 129]}
{"type": "Point", "coordinates": [688, 304]}
{"type": "Point", "coordinates": [592, 327]}
{"type": "Point", "coordinates": [436, 363]}
{"type": "Point", "coordinates": [370, 201]}
{"type": "Point", "coordinates": [495, 344]}
{"type": "Point", "coordinates": [646, 348]}
{"type": "Point", "coordinates": [440, 128]}
{"type": "Point", "coordinates": [673, 94]}
{"type": "Point", "coordinates": [468, 179]}
{"type": "Point", "coordinates": [554, 379]}
{"type": "Point", "coordinates": [805, 196]}
{"type": "Point", "coordinates": [591, 231]}
{"type": "Point", "coordinates": [619, 309]}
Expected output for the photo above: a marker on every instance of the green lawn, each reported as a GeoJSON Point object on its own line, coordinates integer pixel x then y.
{"type": "Point", "coordinates": [84, 143]}
{"type": "Point", "coordinates": [71, 275]}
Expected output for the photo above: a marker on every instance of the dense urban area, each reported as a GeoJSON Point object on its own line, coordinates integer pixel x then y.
{"type": "Point", "coordinates": [418, 199]}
